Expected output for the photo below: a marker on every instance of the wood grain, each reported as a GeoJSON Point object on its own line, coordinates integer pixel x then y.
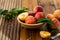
{"type": "Point", "coordinates": [9, 29]}
{"type": "Point", "coordinates": [12, 30]}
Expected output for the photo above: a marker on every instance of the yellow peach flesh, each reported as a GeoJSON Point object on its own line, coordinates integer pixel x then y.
{"type": "Point", "coordinates": [45, 34]}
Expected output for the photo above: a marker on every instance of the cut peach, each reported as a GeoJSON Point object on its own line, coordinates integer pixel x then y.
{"type": "Point", "coordinates": [23, 16]}
{"type": "Point", "coordinates": [45, 34]}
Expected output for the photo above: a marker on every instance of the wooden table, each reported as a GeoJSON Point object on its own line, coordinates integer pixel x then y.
{"type": "Point", "coordinates": [12, 30]}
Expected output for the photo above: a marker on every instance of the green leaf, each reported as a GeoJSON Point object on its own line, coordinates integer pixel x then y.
{"type": "Point", "coordinates": [45, 20]}
{"type": "Point", "coordinates": [18, 10]}
{"type": "Point", "coordinates": [14, 11]}
{"type": "Point", "coordinates": [1, 10]}
{"type": "Point", "coordinates": [42, 20]}
{"type": "Point", "coordinates": [50, 22]}
{"type": "Point", "coordinates": [4, 12]}
{"type": "Point", "coordinates": [8, 16]}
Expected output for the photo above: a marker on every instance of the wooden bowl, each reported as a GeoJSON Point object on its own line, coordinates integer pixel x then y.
{"type": "Point", "coordinates": [29, 25]}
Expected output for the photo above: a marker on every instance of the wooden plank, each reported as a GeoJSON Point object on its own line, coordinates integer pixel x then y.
{"type": "Point", "coordinates": [34, 34]}
{"type": "Point", "coordinates": [23, 35]}
{"type": "Point", "coordinates": [9, 30]}
{"type": "Point", "coordinates": [29, 4]}
{"type": "Point", "coordinates": [27, 34]}
{"type": "Point", "coordinates": [2, 26]}
{"type": "Point", "coordinates": [5, 30]}
{"type": "Point", "coordinates": [18, 26]}
{"type": "Point", "coordinates": [47, 7]}
{"type": "Point", "coordinates": [1, 19]}
{"type": "Point", "coordinates": [32, 4]}
{"type": "Point", "coordinates": [57, 4]}
{"type": "Point", "coordinates": [1, 6]}
{"type": "Point", "coordinates": [2, 29]}
{"type": "Point", "coordinates": [15, 30]}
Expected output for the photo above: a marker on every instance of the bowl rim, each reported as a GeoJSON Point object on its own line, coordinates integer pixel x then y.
{"type": "Point", "coordinates": [28, 24]}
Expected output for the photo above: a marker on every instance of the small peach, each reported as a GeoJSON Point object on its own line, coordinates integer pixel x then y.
{"type": "Point", "coordinates": [56, 22]}
{"type": "Point", "coordinates": [45, 34]}
{"type": "Point", "coordinates": [30, 20]}
{"type": "Point", "coordinates": [38, 9]}
{"type": "Point", "coordinates": [50, 16]}
{"type": "Point", "coordinates": [39, 15]}
{"type": "Point", "coordinates": [57, 14]}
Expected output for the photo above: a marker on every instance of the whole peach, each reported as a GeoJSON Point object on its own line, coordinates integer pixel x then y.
{"type": "Point", "coordinates": [39, 15]}
{"type": "Point", "coordinates": [30, 20]}
{"type": "Point", "coordinates": [56, 22]}
{"type": "Point", "coordinates": [50, 16]}
{"type": "Point", "coordinates": [57, 14]}
{"type": "Point", "coordinates": [38, 9]}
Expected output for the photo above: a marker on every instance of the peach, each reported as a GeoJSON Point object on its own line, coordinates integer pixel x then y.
{"type": "Point", "coordinates": [57, 14]}
{"type": "Point", "coordinates": [50, 16]}
{"type": "Point", "coordinates": [38, 9]}
{"type": "Point", "coordinates": [23, 16]}
{"type": "Point", "coordinates": [45, 34]}
{"type": "Point", "coordinates": [30, 20]}
{"type": "Point", "coordinates": [56, 22]}
{"type": "Point", "coordinates": [39, 15]}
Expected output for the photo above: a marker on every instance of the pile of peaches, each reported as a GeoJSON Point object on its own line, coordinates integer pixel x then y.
{"type": "Point", "coordinates": [31, 17]}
